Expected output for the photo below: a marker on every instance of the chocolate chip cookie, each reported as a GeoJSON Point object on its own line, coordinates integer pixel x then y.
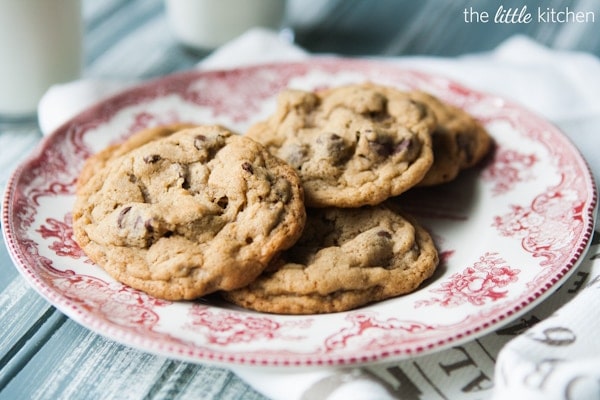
{"type": "Point", "coordinates": [97, 161]}
{"type": "Point", "coordinates": [459, 140]}
{"type": "Point", "coordinates": [352, 145]}
{"type": "Point", "coordinates": [345, 258]}
{"type": "Point", "coordinates": [197, 211]}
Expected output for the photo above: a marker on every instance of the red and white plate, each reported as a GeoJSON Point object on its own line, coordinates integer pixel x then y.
{"type": "Point", "coordinates": [508, 232]}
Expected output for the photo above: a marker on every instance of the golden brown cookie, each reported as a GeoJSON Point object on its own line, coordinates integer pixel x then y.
{"type": "Point", "coordinates": [188, 214]}
{"type": "Point", "coordinates": [97, 161]}
{"type": "Point", "coordinates": [345, 258]}
{"type": "Point", "coordinates": [459, 140]}
{"type": "Point", "coordinates": [353, 145]}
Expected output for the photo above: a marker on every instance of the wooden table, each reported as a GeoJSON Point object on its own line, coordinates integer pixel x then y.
{"type": "Point", "coordinates": [44, 354]}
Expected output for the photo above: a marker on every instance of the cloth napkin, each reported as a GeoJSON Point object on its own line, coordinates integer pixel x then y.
{"type": "Point", "coordinates": [556, 358]}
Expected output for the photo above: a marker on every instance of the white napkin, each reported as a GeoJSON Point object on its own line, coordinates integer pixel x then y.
{"type": "Point", "coordinates": [258, 45]}
{"type": "Point", "coordinates": [557, 358]}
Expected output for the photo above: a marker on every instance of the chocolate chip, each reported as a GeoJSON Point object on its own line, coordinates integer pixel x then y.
{"type": "Point", "coordinates": [184, 176]}
{"type": "Point", "coordinates": [185, 184]}
{"type": "Point", "coordinates": [335, 138]}
{"type": "Point", "coordinates": [295, 154]}
{"type": "Point", "coordinates": [333, 146]}
{"type": "Point", "coordinates": [382, 149]}
{"type": "Point", "coordinates": [464, 143]}
{"type": "Point", "coordinates": [148, 226]}
{"type": "Point", "coordinates": [151, 159]}
{"type": "Point", "coordinates": [335, 143]}
{"type": "Point", "coordinates": [281, 191]}
{"type": "Point", "coordinates": [246, 166]}
{"type": "Point", "coordinates": [199, 141]}
{"type": "Point", "coordinates": [385, 148]}
{"type": "Point", "coordinates": [329, 138]}
{"type": "Point", "coordinates": [384, 234]}
{"type": "Point", "coordinates": [223, 202]}
{"type": "Point", "coordinates": [378, 116]}
{"type": "Point", "coordinates": [122, 216]}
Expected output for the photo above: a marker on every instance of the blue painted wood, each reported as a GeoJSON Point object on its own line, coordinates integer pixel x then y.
{"type": "Point", "coordinates": [45, 355]}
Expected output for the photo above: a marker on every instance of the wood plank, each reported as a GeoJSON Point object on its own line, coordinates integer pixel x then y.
{"type": "Point", "coordinates": [76, 363]}
{"type": "Point", "coordinates": [45, 355]}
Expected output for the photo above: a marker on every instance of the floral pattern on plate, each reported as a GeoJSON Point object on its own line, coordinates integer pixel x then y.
{"type": "Point", "coordinates": [508, 231]}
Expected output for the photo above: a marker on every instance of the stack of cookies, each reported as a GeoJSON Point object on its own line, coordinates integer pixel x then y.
{"type": "Point", "coordinates": [179, 213]}
{"type": "Point", "coordinates": [293, 217]}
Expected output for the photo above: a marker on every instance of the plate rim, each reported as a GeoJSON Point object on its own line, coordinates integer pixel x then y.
{"type": "Point", "coordinates": [203, 355]}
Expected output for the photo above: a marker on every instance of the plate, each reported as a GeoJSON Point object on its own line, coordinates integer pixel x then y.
{"type": "Point", "coordinates": [508, 232]}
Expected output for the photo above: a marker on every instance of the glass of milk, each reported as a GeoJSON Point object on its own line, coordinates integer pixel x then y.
{"type": "Point", "coordinates": [206, 24]}
{"type": "Point", "coordinates": [41, 43]}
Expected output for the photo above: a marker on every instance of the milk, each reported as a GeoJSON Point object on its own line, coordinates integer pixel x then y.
{"type": "Point", "coordinates": [41, 43]}
{"type": "Point", "coordinates": [206, 24]}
